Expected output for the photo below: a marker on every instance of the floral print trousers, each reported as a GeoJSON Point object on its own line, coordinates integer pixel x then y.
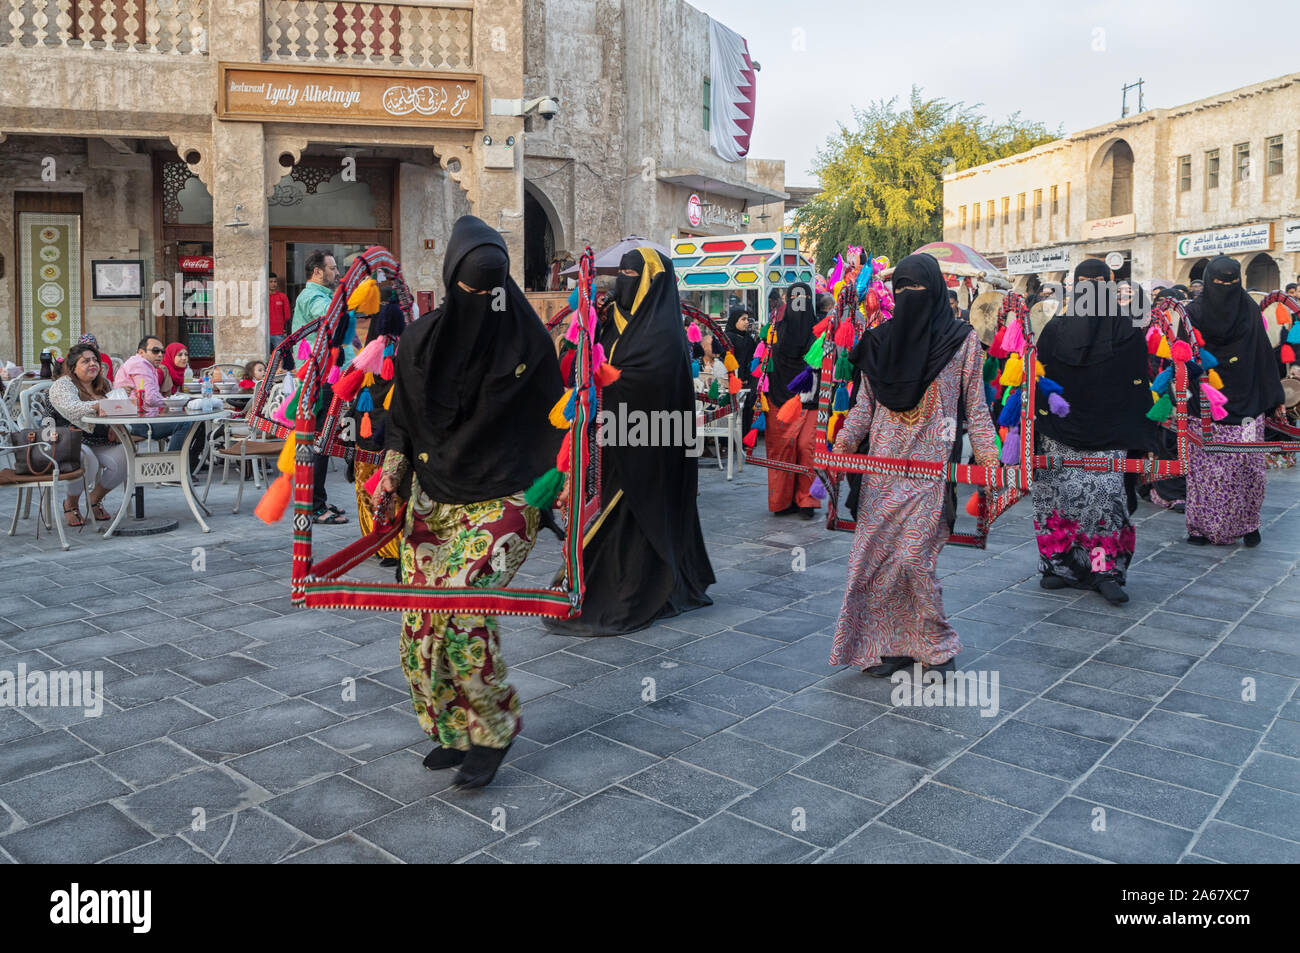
{"type": "Point", "coordinates": [453, 663]}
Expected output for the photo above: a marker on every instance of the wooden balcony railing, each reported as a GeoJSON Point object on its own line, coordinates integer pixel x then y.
{"type": "Point", "coordinates": [411, 35]}
{"type": "Point", "coordinates": [132, 26]}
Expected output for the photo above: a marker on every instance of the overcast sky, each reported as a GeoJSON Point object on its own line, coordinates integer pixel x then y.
{"type": "Point", "coordinates": [1034, 58]}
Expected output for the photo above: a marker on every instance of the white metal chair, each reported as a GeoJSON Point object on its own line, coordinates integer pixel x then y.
{"type": "Point", "coordinates": [12, 443]}
{"type": "Point", "coordinates": [726, 427]}
{"type": "Point", "coordinates": [241, 446]}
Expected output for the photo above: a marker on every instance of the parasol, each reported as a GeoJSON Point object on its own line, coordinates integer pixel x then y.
{"type": "Point", "coordinates": [961, 260]}
{"type": "Point", "coordinates": [607, 260]}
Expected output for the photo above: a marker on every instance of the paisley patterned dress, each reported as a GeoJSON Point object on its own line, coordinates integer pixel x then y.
{"type": "Point", "coordinates": [453, 663]}
{"type": "Point", "coordinates": [893, 603]}
{"type": "Point", "coordinates": [1226, 490]}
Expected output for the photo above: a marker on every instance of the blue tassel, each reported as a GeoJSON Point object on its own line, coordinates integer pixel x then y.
{"type": "Point", "coordinates": [695, 368]}
{"type": "Point", "coordinates": [365, 402]}
{"type": "Point", "coordinates": [801, 381]}
{"type": "Point", "coordinates": [760, 422]}
{"type": "Point", "coordinates": [1161, 383]}
{"type": "Point", "coordinates": [1049, 386]}
{"type": "Point", "coordinates": [753, 366]}
{"type": "Point", "coordinates": [573, 299]}
{"type": "Point", "coordinates": [1293, 336]}
{"type": "Point", "coordinates": [990, 396]}
{"type": "Point", "coordinates": [390, 348]}
{"type": "Point", "coordinates": [841, 399]}
{"type": "Point", "coordinates": [572, 406]}
{"type": "Point", "coordinates": [1208, 360]}
{"type": "Point", "coordinates": [1010, 415]}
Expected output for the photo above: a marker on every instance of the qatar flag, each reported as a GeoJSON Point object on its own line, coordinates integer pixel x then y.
{"type": "Point", "coordinates": [732, 87]}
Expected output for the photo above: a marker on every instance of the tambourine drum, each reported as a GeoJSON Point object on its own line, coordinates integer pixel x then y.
{"type": "Point", "coordinates": [1291, 388]}
{"type": "Point", "coordinates": [1041, 313]}
{"type": "Point", "coordinates": [1277, 321]}
{"type": "Point", "coordinates": [984, 315]}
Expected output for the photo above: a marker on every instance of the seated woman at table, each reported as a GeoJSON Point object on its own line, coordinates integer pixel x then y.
{"type": "Point", "coordinates": [73, 395]}
{"type": "Point", "coordinates": [176, 358]}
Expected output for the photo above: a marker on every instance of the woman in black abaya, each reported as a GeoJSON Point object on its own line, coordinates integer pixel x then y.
{"type": "Point", "coordinates": [644, 559]}
{"type": "Point", "coordinates": [467, 435]}
{"type": "Point", "coordinates": [743, 345]}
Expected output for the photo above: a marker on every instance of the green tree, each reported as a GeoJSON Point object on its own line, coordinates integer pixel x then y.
{"type": "Point", "coordinates": [882, 183]}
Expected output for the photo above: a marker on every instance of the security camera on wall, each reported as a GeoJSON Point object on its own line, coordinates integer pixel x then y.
{"type": "Point", "coordinates": [548, 107]}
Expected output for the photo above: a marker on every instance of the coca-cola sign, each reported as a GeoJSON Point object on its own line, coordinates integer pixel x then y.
{"type": "Point", "coordinates": [196, 264]}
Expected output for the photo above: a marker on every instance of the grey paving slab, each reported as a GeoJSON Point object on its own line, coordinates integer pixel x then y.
{"type": "Point", "coordinates": [409, 833]}
{"type": "Point", "coordinates": [968, 823]}
{"type": "Point", "coordinates": [686, 787]}
{"type": "Point", "coordinates": [37, 753]}
{"type": "Point", "coordinates": [806, 810]}
{"type": "Point", "coordinates": [1125, 838]}
{"type": "Point", "coordinates": [60, 791]}
{"type": "Point", "coordinates": [248, 837]}
{"type": "Point", "coordinates": [90, 835]}
{"type": "Point", "coordinates": [880, 844]}
{"type": "Point", "coordinates": [1005, 783]}
{"type": "Point", "coordinates": [1169, 803]}
{"type": "Point", "coordinates": [727, 839]}
{"type": "Point", "coordinates": [176, 806]}
{"type": "Point", "coordinates": [291, 764]}
{"type": "Point", "coordinates": [1236, 845]}
{"type": "Point", "coordinates": [862, 773]}
{"type": "Point", "coordinates": [585, 763]}
{"type": "Point", "coordinates": [739, 759]}
{"type": "Point", "coordinates": [789, 731]}
{"type": "Point", "coordinates": [150, 763]}
{"type": "Point", "coordinates": [553, 719]}
{"type": "Point", "coordinates": [255, 729]}
{"type": "Point", "coordinates": [906, 740]}
{"type": "Point", "coordinates": [513, 800]}
{"type": "Point", "coordinates": [1262, 809]}
{"type": "Point", "coordinates": [348, 849]}
{"type": "Point", "coordinates": [1045, 750]}
{"type": "Point", "coordinates": [329, 807]}
{"type": "Point", "coordinates": [733, 695]}
{"type": "Point", "coordinates": [374, 735]}
{"type": "Point", "coordinates": [166, 850]}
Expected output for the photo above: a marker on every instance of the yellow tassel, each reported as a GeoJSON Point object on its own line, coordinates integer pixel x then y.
{"type": "Point", "coordinates": [1163, 350]}
{"type": "Point", "coordinates": [557, 418]}
{"type": "Point", "coordinates": [729, 362]}
{"type": "Point", "coordinates": [1215, 380]}
{"type": "Point", "coordinates": [364, 298]}
{"type": "Point", "coordinates": [388, 398]}
{"type": "Point", "coordinates": [367, 380]}
{"type": "Point", "coordinates": [1014, 373]}
{"type": "Point", "coordinates": [1039, 370]}
{"type": "Point", "coordinates": [285, 463]}
{"type": "Point", "coordinates": [765, 405]}
{"type": "Point", "coordinates": [833, 426]}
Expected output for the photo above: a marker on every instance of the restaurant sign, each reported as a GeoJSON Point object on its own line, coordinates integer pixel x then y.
{"type": "Point", "coordinates": [1037, 260]}
{"type": "Point", "coordinates": [1227, 241]}
{"type": "Point", "coordinates": [1109, 227]}
{"type": "Point", "coordinates": [283, 93]}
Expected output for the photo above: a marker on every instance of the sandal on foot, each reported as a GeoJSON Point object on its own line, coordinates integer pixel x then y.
{"type": "Point", "coordinates": [440, 758]}
{"type": "Point", "coordinates": [1197, 540]}
{"type": "Point", "coordinates": [73, 516]}
{"type": "Point", "coordinates": [101, 514]}
{"type": "Point", "coordinates": [1050, 581]}
{"type": "Point", "coordinates": [328, 518]}
{"type": "Point", "coordinates": [1251, 539]}
{"type": "Point", "coordinates": [1113, 592]}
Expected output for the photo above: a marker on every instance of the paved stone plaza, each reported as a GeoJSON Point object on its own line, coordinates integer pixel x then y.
{"type": "Point", "coordinates": [225, 735]}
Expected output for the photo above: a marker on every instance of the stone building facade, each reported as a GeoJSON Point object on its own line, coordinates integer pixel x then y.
{"type": "Point", "coordinates": [144, 145]}
{"type": "Point", "coordinates": [1166, 189]}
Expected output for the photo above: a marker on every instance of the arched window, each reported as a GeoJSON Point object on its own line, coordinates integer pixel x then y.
{"type": "Point", "coordinates": [1262, 274]}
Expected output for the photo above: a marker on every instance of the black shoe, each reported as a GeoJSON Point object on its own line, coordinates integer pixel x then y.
{"type": "Point", "coordinates": [948, 666]}
{"type": "Point", "coordinates": [1251, 539]}
{"type": "Point", "coordinates": [440, 758]}
{"type": "Point", "coordinates": [388, 562]}
{"type": "Point", "coordinates": [889, 664]}
{"type": "Point", "coordinates": [1197, 540]}
{"type": "Point", "coordinates": [480, 767]}
{"type": "Point", "coordinates": [1180, 507]}
{"type": "Point", "coordinates": [1053, 582]}
{"type": "Point", "coordinates": [788, 511]}
{"type": "Point", "coordinates": [1113, 592]}
{"type": "Point", "coordinates": [807, 512]}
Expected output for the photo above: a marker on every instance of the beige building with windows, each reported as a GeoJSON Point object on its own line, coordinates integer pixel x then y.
{"type": "Point", "coordinates": [1166, 189]}
{"type": "Point", "coordinates": [202, 144]}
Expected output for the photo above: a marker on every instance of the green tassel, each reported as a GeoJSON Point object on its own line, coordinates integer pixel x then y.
{"type": "Point", "coordinates": [814, 356]}
{"type": "Point", "coordinates": [843, 367]}
{"type": "Point", "coordinates": [291, 412]}
{"type": "Point", "coordinates": [545, 489]}
{"type": "Point", "coordinates": [713, 389]}
{"type": "Point", "coordinates": [990, 369]}
{"type": "Point", "coordinates": [1161, 410]}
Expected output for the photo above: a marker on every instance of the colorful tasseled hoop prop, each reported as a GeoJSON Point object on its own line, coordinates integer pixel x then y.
{"type": "Point", "coordinates": [324, 584]}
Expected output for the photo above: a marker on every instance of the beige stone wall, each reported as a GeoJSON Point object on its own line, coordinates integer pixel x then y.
{"type": "Point", "coordinates": [1077, 165]}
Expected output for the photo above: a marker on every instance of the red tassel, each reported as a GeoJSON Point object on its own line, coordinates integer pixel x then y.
{"type": "Point", "coordinates": [349, 384]}
{"type": "Point", "coordinates": [996, 349]}
{"type": "Point", "coordinates": [973, 505]}
{"type": "Point", "coordinates": [366, 432]}
{"type": "Point", "coordinates": [566, 365]}
{"type": "Point", "coordinates": [820, 327]}
{"type": "Point", "coordinates": [750, 440]}
{"type": "Point", "coordinates": [564, 457]}
{"type": "Point", "coordinates": [275, 500]}
{"type": "Point", "coordinates": [1200, 341]}
{"type": "Point", "coordinates": [1288, 354]}
{"type": "Point", "coordinates": [372, 484]}
{"type": "Point", "coordinates": [1182, 352]}
{"type": "Point", "coordinates": [606, 374]}
{"type": "Point", "coordinates": [844, 335]}
{"type": "Point", "coordinates": [387, 371]}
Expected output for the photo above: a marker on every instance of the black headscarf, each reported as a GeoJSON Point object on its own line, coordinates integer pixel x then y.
{"type": "Point", "coordinates": [659, 483]}
{"type": "Point", "coordinates": [1099, 358]}
{"type": "Point", "coordinates": [476, 380]}
{"type": "Point", "coordinates": [794, 335]}
{"type": "Point", "coordinates": [1230, 322]}
{"type": "Point", "coordinates": [742, 342]}
{"type": "Point", "coordinates": [900, 358]}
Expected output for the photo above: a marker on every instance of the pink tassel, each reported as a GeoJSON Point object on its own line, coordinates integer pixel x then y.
{"type": "Point", "coordinates": [575, 329]}
{"type": "Point", "coordinates": [1014, 340]}
{"type": "Point", "coordinates": [760, 352]}
{"type": "Point", "coordinates": [1217, 400]}
{"type": "Point", "coordinates": [333, 376]}
{"type": "Point", "coordinates": [371, 358]}
{"type": "Point", "coordinates": [762, 386]}
{"type": "Point", "coordinates": [304, 349]}
{"type": "Point", "coordinates": [693, 333]}
{"type": "Point", "coordinates": [373, 483]}
{"type": "Point", "coordinates": [598, 356]}
{"type": "Point", "coordinates": [1181, 351]}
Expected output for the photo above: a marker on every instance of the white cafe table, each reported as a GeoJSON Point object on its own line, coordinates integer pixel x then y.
{"type": "Point", "coordinates": [157, 467]}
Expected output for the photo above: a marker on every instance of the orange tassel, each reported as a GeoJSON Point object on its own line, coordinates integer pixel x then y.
{"type": "Point", "coordinates": [606, 374]}
{"type": "Point", "coordinates": [733, 384]}
{"type": "Point", "coordinates": [973, 505]}
{"type": "Point", "coordinates": [275, 500]}
{"type": "Point", "coordinates": [366, 432]}
{"type": "Point", "coordinates": [789, 411]}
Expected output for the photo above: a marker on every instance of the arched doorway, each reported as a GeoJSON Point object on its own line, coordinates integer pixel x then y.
{"type": "Point", "coordinates": [1262, 274]}
{"type": "Point", "coordinates": [539, 244]}
{"type": "Point", "coordinates": [1198, 270]}
{"type": "Point", "coordinates": [1111, 184]}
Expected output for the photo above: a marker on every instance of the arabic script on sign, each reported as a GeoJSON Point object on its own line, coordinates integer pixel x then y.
{"type": "Point", "coordinates": [425, 100]}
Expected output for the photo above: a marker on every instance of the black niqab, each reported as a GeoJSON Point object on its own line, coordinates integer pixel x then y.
{"type": "Point", "coordinates": [1233, 330]}
{"type": "Point", "coordinates": [1099, 358]}
{"type": "Point", "coordinates": [794, 335]}
{"type": "Point", "coordinates": [476, 380]}
{"type": "Point", "coordinates": [901, 358]}
{"type": "Point", "coordinates": [743, 344]}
